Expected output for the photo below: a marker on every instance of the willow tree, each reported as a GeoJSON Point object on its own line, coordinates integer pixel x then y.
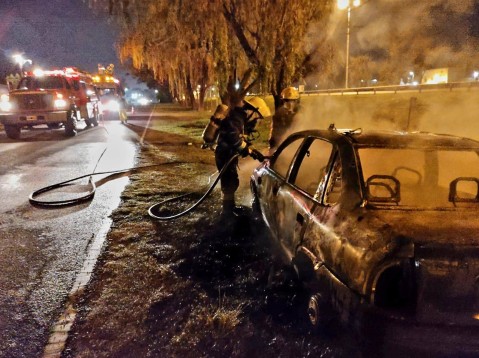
{"type": "Point", "coordinates": [274, 37]}
{"type": "Point", "coordinates": [172, 39]}
{"type": "Point", "coordinates": [239, 45]}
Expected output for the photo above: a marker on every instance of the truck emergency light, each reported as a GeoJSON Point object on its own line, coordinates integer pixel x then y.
{"type": "Point", "coordinates": [103, 78]}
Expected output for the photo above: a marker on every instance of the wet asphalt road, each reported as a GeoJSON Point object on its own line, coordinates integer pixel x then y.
{"type": "Point", "coordinates": [42, 250]}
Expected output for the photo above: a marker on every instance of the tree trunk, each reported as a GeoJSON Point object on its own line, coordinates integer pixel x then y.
{"type": "Point", "coordinates": [190, 93]}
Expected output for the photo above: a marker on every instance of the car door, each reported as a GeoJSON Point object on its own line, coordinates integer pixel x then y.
{"type": "Point", "coordinates": [297, 196]}
{"type": "Point", "coordinates": [322, 238]}
{"type": "Point", "coordinates": [275, 178]}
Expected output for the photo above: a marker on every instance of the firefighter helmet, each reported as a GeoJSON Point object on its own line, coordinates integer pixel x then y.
{"type": "Point", "coordinates": [259, 106]}
{"type": "Point", "coordinates": [290, 93]}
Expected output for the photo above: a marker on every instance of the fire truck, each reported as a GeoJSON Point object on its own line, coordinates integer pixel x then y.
{"type": "Point", "coordinates": [55, 98]}
{"type": "Point", "coordinates": [111, 94]}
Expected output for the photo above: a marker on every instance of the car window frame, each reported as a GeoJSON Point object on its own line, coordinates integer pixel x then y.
{"type": "Point", "coordinates": [280, 150]}
{"type": "Point", "coordinates": [296, 164]}
{"type": "Point", "coordinates": [328, 185]}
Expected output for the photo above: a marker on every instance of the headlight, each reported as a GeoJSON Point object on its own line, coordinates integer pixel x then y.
{"type": "Point", "coordinates": [60, 103]}
{"type": "Point", "coordinates": [112, 106]}
{"type": "Point", "coordinates": [5, 104]}
{"type": "Point", "coordinates": [143, 101]}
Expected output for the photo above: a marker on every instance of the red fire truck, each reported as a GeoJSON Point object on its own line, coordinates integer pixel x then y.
{"type": "Point", "coordinates": [53, 98]}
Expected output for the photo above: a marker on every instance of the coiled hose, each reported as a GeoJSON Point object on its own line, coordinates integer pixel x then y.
{"type": "Point", "coordinates": [33, 198]}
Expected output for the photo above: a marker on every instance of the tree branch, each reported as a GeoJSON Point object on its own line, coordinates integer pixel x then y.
{"type": "Point", "coordinates": [230, 17]}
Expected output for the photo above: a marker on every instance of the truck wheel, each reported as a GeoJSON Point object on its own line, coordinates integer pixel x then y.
{"type": "Point", "coordinates": [13, 132]}
{"type": "Point", "coordinates": [71, 124]}
{"type": "Point", "coordinates": [53, 125]}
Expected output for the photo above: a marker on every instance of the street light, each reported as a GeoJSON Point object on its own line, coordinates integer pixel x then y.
{"type": "Point", "coordinates": [348, 4]}
{"type": "Point", "coordinates": [20, 60]}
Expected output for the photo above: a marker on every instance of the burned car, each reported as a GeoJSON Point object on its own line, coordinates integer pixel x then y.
{"type": "Point", "coordinates": [380, 226]}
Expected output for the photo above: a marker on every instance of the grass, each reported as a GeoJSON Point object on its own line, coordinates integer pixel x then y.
{"type": "Point", "coordinates": [194, 287]}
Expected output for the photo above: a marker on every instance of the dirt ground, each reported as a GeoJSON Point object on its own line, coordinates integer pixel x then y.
{"type": "Point", "coordinates": [197, 286]}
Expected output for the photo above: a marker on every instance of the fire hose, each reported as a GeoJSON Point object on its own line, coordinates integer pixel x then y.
{"type": "Point", "coordinates": [34, 200]}
{"type": "Point", "coordinates": [155, 208]}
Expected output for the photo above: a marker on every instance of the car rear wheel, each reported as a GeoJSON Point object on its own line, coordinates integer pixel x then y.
{"type": "Point", "coordinates": [13, 132]}
{"type": "Point", "coordinates": [319, 312]}
{"type": "Point", "coordinates": [71, 124]}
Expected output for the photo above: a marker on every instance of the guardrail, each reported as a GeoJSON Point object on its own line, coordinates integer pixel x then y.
{"type": "Point", "coordinates": [394, 89]}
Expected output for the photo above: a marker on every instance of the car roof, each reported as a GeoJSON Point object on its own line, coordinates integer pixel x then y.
{"type": "Point", "coordinates": [397, 139]}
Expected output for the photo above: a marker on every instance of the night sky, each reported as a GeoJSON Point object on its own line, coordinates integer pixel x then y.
{"type": "Point", "coordinates": [56, 33]}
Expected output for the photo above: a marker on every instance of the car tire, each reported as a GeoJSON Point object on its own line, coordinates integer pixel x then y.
{"type": "Point", "coordinates": [13, 132]}
{"type": "Point", "coordinates": [71, 124]}
{"type": "Point", "coordinates": [320, 313]}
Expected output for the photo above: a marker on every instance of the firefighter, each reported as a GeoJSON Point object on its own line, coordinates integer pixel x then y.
{"type": "Point", "coordinates": [283, 116]}
{"type": "Point", "coordinates": [122, 111]}
{"type": "Point", "coordinates": [233, 139]}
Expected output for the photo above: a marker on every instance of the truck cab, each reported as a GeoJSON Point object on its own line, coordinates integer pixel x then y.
{"type": "Point", "coordinates": [53, 98]}
{"type": "Point", "coordinates": [112, 97]}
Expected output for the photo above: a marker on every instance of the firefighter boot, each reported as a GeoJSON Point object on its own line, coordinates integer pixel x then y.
{"type": "Point", "coordinates": [228, 208]}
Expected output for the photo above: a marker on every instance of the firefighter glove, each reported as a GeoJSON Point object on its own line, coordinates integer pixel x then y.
{"type": "Point", "coordinates": [256, 154]}
{"type": "Point", "coordinates": [244, 149]}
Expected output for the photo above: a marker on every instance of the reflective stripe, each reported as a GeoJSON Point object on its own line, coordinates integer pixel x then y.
{"type": "Point", "coordinates": [242, 146]}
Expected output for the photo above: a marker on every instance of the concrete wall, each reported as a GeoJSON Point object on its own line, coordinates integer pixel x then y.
{"type": "Point", "coordinates": [439, 111]}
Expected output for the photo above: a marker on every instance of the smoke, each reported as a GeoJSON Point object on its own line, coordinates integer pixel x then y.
{"type": "Point", "coordinates": [376, 22]}
{"type": "Point", "coordinates": [389, 38]}
{"type": "Point", "coordinates": [437, 111]}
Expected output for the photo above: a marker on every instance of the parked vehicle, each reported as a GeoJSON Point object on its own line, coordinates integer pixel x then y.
{"type": "Point", "coordinates": [381, 227]}
{"type": "Point", "coordinates": [111, 95]}
{"type": "Point", "coordinates": [53, 98]}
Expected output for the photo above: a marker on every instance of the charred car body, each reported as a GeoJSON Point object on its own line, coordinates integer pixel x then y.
{"type": "Point", "coordinates": [379, 225]}
{"type": "Point", "coordinates": [53, 98]}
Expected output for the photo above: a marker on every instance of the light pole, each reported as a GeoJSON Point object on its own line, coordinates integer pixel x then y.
{"type": "Point", "coordinates": [347, 4]}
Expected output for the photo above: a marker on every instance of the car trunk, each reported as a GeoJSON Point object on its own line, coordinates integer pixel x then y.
{"type": "Point", "coordinates": [447, 284]}
{"type": "Point", "coordinates": [446, 250]}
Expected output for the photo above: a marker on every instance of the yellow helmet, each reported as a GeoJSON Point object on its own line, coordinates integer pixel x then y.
{"type": "Point", "coordinates": [259, 106]}
{"type": "Point", "coordinates": [290, 93]}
